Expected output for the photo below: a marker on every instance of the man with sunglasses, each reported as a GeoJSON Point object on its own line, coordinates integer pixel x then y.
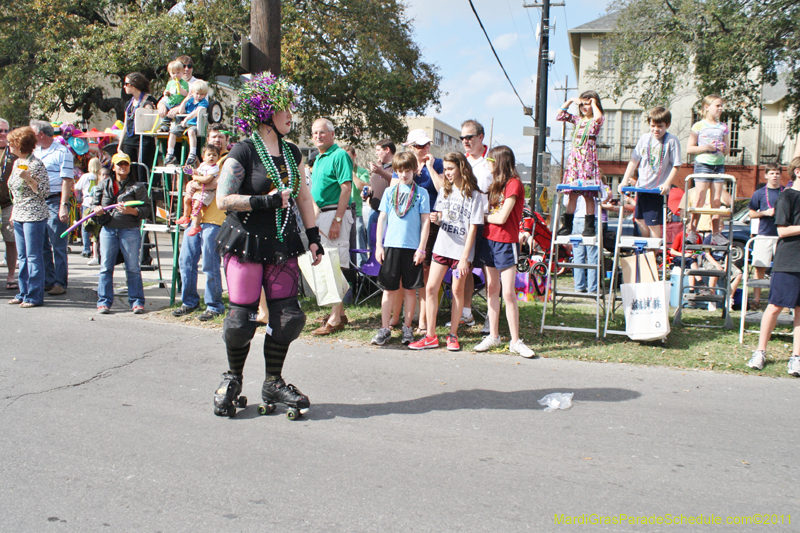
{"type": "Point", "coordinates": [7, 229]}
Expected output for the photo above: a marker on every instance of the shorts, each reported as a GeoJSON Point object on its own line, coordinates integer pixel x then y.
{"type": "Point", "coordinates": [763, 251]}
{"type": "Point", "coordinates": [324, 221]}
{"type": "Point", "coordinates": [446, 261]}
{"type": "Point", "coordinates": [650, 208]}
{"type": "Point", "coordinates": [784, 289]}
{"type": "Point", "coordinates": [398, 263]}
{"type": "Point", "coordinates": [480, 242]}
{"type": "Point", "coordinates": [7, 228]}
{"type": "Point", "coordinates": [500, 255]}
{"type": "Point", "coordinates": [432, 233]}
{"type": "Point", "coordinates": [702, 168]}
{"type": "Point", "coordinates": [178, 129]}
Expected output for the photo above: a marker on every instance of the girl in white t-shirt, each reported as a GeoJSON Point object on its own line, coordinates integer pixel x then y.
{"type": "Point", "coordinates": [458, 211]}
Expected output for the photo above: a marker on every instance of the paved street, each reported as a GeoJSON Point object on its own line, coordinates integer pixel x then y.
{"type": "Point", "coordinates": [108, 426]}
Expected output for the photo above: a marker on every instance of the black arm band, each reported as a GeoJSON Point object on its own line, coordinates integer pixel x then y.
{"type": "Point", "coordinates": [313, 238]}
{"type": "Point", "coordinates": [265, 201]}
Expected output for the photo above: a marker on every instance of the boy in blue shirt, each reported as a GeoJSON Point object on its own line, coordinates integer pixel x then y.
{"type": "Point", "coordinates": [405, 213]}
{"type": "Point", "coordinates": [191, 106]}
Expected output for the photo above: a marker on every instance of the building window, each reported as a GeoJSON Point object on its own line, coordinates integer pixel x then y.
{"type": "Point", "coordinates": [446, 141]}
{"type": "Point", "coordinates": [631, 128]}
{"type": "Point", "coordinates": [606, 136]}
{"type": "Point", "coordinates": [605, 59]}
{"type": "Point", "coordinates": [734, 128]}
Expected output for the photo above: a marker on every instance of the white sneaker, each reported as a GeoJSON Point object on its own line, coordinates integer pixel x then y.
{"type": "Point", "coordinates": [464, 321]}
{"type": "Point", "coordinates": [520, 349]}
{"type": "Point", "coordinates": [485, 330]}
{"type": "Point", "coordinates": [93, 261]}
{"type": "Point", "coordinates": [758, 360]}
{"type": "Point", "coordinates": [718, 239]}
{"type": "Point", "coordinates": [487, 344]}
{"type": "Point", "coordinates": [691, 237]}
{"type": "Point", "coordinates": [794, 366]}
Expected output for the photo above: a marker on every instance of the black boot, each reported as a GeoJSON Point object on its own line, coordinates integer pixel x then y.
{"type": "Point", "coordinates": [589, 228]}
{"type": "Point", "coordinates": [566, 227]}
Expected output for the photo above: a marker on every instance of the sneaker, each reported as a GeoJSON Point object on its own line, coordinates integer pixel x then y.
{"type": "Point", "coordinates": [191, 160]}
{"type": "Point", "coordinates": [452, 343]}
{"type": "Point", "coordinates": [86, 255]}
{"type": "Point", "coordinates": [691, 237]}
{"type": "Point", "coordinates": [718, 239]}
{"type": "Point", "coordinates": [103, 310]}
{"type": "Point", "coordinates": [487, 344]}
{"type": "Point", "coordinates": [93, 262]}
{"type": "Point", "coordinates": [425, 342]}
{"type": "Point", "coordinates": [57, 290]}
{"type": "Point", "coordinates": [464, 321]}
{"type": "Point", "coordinates": [485, 330]}
{"type": "Point", "coordinates": [383, 335]}
{"type": "Point", "coordinates": [184, 310]}
{"type": "Point", "coordinates": [207, 315]}
{"type": "Point", "coordinates": [170, 160]}
{"type": "Point", "coordinates": [138, 310]}
{"type": "Point", "coordinates": [520, 349]}
{"type": "Point", "coordinates": [193, 231]}
{"type": "Point", "coordinates": [758, 360]}
{"type": "Point", "coordinates": [794, 366]}
{"type": "Point", "coordinates": [408, 335]}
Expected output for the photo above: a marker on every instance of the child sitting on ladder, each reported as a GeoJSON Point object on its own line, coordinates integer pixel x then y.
{"type": "Point", "coordinates": [201, 190]}
{"type": "Point", "coordinates": [582, 168]}
{"type": "Point", "coordinates": [658, 157]}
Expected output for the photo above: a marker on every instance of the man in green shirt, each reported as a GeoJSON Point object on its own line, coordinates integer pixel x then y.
{"type": "Point", "coordinates": [331, 187]}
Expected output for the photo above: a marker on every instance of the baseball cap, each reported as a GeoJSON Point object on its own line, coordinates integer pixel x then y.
{"type": "Point", "coordinates": [417, 137]}
{"type": "Point", "coordinates": [120, 157]}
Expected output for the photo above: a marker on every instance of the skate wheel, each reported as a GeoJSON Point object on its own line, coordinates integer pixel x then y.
{"type": "Point", "coordinates": [265, 409]}
{"type": "Point", "coordinates": [292, 414]}
{"type": "Point", "coordinates": [242, 402]}
{"type": "Point", "coordinates": [231, 410]}
{"type": "Point", "coordinates": [217, 411]}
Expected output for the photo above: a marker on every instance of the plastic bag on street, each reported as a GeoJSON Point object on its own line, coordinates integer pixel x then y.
{"type": "Point", "coordinates": [557, 400]}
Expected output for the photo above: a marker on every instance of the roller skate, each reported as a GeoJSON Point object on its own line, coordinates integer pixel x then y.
{"type": "Point", "coordinates": [275, 392]}
{"type": "Point", "coordinates": [226, 398]}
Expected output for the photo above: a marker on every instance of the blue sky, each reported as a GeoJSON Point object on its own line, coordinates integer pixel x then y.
{"type": "Point", "coordinates": [450, 37]}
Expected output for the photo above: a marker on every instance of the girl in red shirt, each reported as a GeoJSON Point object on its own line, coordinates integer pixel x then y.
{"type": "Point", "coordinates": [501, 250]}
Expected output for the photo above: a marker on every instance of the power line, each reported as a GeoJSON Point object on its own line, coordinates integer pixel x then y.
{"type": "Point", "coordinates": [496, 56]}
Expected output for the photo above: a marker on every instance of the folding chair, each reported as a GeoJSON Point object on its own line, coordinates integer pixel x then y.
{"type": "Point", "coordinates": [480, 284]}
{"type": "Point", "coordinates": [366, 274]}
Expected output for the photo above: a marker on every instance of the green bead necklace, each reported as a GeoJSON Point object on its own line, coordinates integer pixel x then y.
{"type": "Point", "coordinates": [292, 182]}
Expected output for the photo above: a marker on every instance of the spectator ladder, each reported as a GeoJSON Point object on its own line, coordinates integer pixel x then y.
{"type": "Point", "coordinates": [574, 240]}
{"type": "Point", "coordinates": [687, 270]}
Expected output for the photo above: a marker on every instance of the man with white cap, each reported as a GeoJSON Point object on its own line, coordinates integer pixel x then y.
{"type": "Point", "coordinates": [419, 143]}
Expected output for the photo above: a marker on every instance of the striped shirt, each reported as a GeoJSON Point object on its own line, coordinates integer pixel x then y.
{"type": "Point", "coordinates": [58, 161]}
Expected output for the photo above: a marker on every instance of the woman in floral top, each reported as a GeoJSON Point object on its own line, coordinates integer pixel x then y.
{"type": "Point", "coordinates": [29, 186]}
{"type": "Point", "coordinates": [582, 168]}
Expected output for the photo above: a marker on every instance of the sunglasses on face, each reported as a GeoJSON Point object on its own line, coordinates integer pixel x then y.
{"type": "Point", "coordinates": [466, 137]}
{"type": "Point", "coordinates": [421, 146]}
{"type": "Point", "coordinates": [188, 66]}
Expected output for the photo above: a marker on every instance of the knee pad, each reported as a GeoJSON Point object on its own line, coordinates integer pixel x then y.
{"type": "Point", "coordinates": [286, 320]}
{"type": "Point", "coordinates": [240, 325]}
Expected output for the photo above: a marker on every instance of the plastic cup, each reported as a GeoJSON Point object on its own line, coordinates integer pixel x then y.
{"type": "Point", "coordinates": [23, 166]}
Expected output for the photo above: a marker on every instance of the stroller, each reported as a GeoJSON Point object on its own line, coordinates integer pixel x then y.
{"type": "Point", "coordinates": [533, 252]}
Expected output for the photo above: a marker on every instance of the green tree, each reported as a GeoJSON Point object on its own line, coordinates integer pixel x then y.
{"type": "Point", "coordinates": [353, 59]}
{"type": "Point", "coordinates": [728, 47]}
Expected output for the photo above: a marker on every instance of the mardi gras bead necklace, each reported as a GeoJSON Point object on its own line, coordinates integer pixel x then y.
{"type": "Point", "coordinates": [412, 198]}
{"type": "Point", "coordinates": [584, 133]}
{"type": "Point", "coordinates": [292, 182]}
{"type": "Point", "coordinates": [651, 161]}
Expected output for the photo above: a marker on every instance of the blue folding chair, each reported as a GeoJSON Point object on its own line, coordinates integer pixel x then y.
{"type": "Point", "coordinates": [367, 274]}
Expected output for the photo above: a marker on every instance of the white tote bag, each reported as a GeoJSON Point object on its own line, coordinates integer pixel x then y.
{"type": "Point", "coordinates": [326, 279]}
{"type": "Point", "coordinates": [646, 310]}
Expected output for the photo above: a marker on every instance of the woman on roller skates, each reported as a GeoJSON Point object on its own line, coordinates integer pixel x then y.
{"type": "Point", "coordinates": [259, 183]}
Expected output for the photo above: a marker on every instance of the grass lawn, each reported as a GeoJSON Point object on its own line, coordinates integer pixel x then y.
{"type": "Point", "coordinates": [685, 347]}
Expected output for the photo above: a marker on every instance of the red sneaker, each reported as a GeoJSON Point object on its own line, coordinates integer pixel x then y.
{"type": "Point", "coordinates": [425, 342]}
{"type": "Point", "coordinates": [452, 343]}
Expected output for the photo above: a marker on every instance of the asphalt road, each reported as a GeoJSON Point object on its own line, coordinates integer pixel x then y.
{"type": "Point", "coordinates": [107, 425]}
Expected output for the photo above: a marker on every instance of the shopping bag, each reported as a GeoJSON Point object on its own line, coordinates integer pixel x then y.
{"type": "Point", "coordinates": [326, 279]}
{"type": "Point", "coordinates": [648, 268]}
{"type": "Point", "coordinates": [646, 310]}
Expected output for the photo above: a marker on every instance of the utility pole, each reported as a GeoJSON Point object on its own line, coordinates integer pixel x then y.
{"type": "Point", "coordinates": [566, 88]}
{"type": "Point", "coordinates": [265, 36]}
{"type": "Point", "coordinates": [541, 113]}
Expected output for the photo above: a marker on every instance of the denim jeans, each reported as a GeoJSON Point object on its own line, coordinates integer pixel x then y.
{"type": "Point", "coordinates": [30, 243]}
{"type": "Point", "coordinates": [55, 248]}
{"type": "Point", "coordinates": [128, 240]}
{"type": "Point", "coordinates": [586, 255]}
{"type": "Point", "coordinates": [191, 248]}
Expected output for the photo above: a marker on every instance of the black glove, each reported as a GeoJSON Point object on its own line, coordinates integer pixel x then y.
{"type": "Point", "coordinates": [313, 238]}
{"type": "Point", "coordinates": [266, 201]}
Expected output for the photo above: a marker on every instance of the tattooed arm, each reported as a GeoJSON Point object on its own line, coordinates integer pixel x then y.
{"type": "Point", "coordinates": [230, 180]}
